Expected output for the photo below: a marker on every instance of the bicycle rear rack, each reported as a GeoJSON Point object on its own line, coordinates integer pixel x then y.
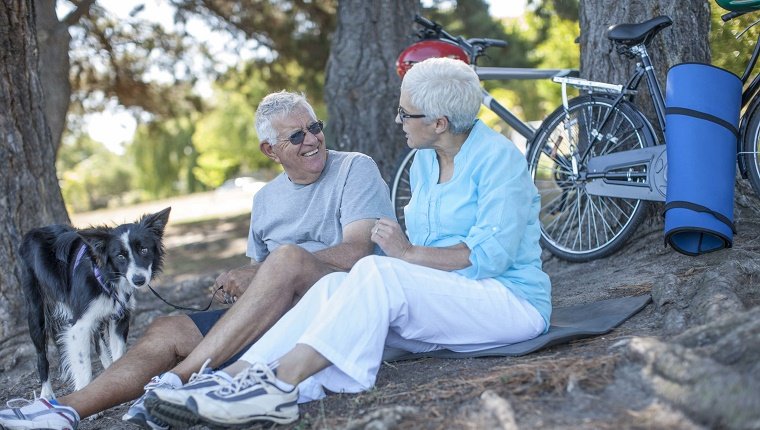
{"type": "Point", "coordinates": [590, 86]}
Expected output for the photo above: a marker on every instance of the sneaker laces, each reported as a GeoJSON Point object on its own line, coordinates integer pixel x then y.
{"type": "Point", "coordinates": [252, 376]}
{"type": "Point", "coordinates": [202, 374]}
{"type": "Point", "coordinates": [155, 382]}
{"type": "Point", "coordinates": [206, 374]}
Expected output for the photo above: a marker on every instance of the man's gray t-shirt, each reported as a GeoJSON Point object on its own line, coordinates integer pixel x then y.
{"type": "Point", "coordinates": [313, 216]}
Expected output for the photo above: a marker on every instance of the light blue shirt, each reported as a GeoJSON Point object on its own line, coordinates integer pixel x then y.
{"type": "Point", "coordinates": [490, 204]}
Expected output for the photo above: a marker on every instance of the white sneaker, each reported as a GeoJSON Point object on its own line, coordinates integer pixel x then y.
{"type": "Point", "coordinates": [167, 404]}
{"type": "Point", "coordinates": [38, 414]}
{"type": "Point", "coordinates": [137, 414]}
{"type": "Point", "coordinates": [252, 396]}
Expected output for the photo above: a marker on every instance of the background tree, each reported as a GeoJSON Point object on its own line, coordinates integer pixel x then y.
{"type": "Point", "coordinates": [93, 174]}
{"type": "Point", "coordinates": [54, 38]}
{"type": "Point", "coordinates": [29, 192]}
{"type": "Point", "coordinates": [362, 88]}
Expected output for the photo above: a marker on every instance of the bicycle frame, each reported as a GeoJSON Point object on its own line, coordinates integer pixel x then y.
{"type": "Point", "coordinates": [507, 73]}
{"type": "Point", "coordinates": [646, 176]}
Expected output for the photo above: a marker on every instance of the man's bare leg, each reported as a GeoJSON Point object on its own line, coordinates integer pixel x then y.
{"type": "Point", "coordinates": [166, 341]}
{"type": "Point", "coordinates": [281, 280]}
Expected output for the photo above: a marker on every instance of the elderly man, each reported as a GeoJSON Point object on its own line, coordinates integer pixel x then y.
{"type": "Point", "coordinates": [313, 219]}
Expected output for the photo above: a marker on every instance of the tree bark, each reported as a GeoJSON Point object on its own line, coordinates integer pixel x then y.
{"type": "Point", "coordinates": [53, 38]}
{"type": "Point", "coordinates": [362, 88]}
{"type": "Point", "coordinates": [29, 191]}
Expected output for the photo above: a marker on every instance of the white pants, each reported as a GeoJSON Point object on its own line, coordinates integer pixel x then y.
{"type": "Point", "coordinates": [350, 317]}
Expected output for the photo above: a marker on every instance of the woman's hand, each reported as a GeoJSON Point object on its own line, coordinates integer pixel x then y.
{"type": "Point", "coordinates": [235, 282]}
{"type": "Point", "coordinates": [388, 235]}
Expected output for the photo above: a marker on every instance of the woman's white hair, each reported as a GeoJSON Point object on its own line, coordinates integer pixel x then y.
{"type": "Point", "coordinates": [274, 106]}
{"type": "Point", "coordinates": [444, 87]}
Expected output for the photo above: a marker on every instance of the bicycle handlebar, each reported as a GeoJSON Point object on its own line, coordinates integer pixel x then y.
{"type": "Point", "coordinates": [488, 42]}
{"type": "Point", "coordinates": [474, 47]}
{"type": "Point", "coordinates": [421, 20]}
{"type": "Point", "coordinates": [731, 15]}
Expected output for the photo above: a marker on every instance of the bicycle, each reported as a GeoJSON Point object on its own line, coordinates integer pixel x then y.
{"type": "Point", "coordinates": [468, 50]}
{"type": "Point", "coordinates": [597, 160]}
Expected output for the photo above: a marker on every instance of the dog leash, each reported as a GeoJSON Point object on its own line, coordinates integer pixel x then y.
{"type": "Point", "coordinates": [182, 308]}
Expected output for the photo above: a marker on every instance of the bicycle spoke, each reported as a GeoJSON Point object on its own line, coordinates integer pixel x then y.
{"type": "Point", "coordinates": [594, 210]}
{"type": "Point", "coordinates": [623, 141]}
{"type": "Point", "coordinates": [569, 217]}
{"type": "Point", "coordinates": [561, 162]}
{"type": "Point", "coordinates": [607, 227]}
{"type": "Point", "coordinates": [568, 169]}
{"type": "Point", "coordinates": [580, 221]}
{"type": "Point", "coordinates": [626, 201]}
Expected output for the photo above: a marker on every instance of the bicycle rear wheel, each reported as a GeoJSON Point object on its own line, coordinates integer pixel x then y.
{"type": "Point", "coordinates": [750, 149]}
{"type": "Point", "coordinates": [401, 189]}
{"type": "Point", "coordinates": [575, 225]}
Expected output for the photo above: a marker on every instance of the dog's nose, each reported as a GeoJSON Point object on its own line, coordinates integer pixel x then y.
{"type": "Point", "coordinates": [138, 280]}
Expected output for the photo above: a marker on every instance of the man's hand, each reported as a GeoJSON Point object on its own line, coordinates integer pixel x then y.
{"type": "Point", "coordinates": [236, 281]}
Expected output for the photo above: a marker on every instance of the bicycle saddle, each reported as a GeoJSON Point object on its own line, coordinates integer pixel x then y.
{"type": "Point", "coordinates": [634, 34]}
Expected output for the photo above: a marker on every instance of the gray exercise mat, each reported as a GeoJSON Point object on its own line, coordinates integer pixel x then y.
{"type": "Point", "coordinates": [567, 324]}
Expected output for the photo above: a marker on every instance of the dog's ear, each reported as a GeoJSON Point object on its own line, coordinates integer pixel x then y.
{"type": "Point", "coordinates": [156, 222]}
{"type": "Point", "coordinates": [97, 239]}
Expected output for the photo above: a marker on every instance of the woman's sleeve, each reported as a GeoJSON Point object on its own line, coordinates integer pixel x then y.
{"type": "Point", "coordinates": [505, 196]}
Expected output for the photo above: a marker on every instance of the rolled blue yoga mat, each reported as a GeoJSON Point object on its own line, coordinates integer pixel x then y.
{"type": "Point", "coordinates": [701, 130]}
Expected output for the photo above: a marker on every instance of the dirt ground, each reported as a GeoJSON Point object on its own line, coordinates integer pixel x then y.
{"type": "Point", "coordinates": [586, 384]}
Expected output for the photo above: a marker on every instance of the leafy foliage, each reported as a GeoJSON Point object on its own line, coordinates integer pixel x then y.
{"type": "Point", "coordinates": [226, 141]}
{"type": "Point", "coordinates": [164, 157]}
{"type": "Point", "coordinates": [91, 175]}
{"type": "Point", "coordinates": [295, 33]}
{"type": "Point", "coordinates": [727, 51]}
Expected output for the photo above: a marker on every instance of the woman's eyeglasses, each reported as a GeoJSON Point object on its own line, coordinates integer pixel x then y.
{"type": "Point", "coordinates": [405, 115]}
{"type": "Point", "coordinates": [297, 138]}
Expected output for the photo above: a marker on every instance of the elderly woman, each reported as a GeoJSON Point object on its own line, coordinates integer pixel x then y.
{"type": "Point", "coordinates": [468, 278]}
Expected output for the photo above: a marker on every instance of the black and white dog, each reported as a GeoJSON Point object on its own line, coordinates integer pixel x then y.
{"type": "Point", "coordinates": [78, 286]}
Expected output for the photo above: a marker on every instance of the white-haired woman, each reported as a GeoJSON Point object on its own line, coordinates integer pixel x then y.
{"type": "Point", "coordinates": [467, 278]}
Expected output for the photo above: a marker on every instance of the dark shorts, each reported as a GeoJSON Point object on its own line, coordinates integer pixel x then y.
{"type": "Point", "coordinates": [205, 320]}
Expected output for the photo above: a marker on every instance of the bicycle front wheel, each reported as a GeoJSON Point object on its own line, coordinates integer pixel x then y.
{"type": "Point", "coordinates": [750, 150]}
{"type": "Point", "coordinates": [401, 189]}
{"type": "Point", "coordinates": [575, 225]}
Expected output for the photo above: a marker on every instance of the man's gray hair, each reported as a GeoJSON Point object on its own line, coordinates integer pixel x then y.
{"type": "Point", "coordinates": [274, 106]}
{"type": "Point", "coordinates": [444, 87]}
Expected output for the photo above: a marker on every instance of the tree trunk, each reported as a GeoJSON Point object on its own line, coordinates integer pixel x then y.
{"type": "Point", "coordinates": [54, 38]}
{"type": "Point", "coordinates": [362, 88]}
{"type": "Point", "coordinates": [29, 192]}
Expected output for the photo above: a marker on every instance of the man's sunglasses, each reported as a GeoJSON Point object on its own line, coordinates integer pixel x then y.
{"type": "Point", "coordinates": [297, 138]}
